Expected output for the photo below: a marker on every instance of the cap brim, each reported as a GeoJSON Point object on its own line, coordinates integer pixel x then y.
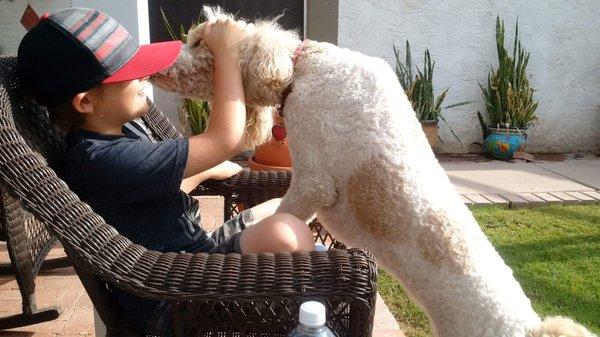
{"type": "Point", "coordinates": [149, 59]}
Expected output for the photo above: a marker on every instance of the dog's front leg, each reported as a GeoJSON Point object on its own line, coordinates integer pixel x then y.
{"type": "Point", "coordinates": [308, 193]}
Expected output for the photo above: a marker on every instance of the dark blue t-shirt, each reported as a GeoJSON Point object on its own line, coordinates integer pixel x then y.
{"type": "Point", "coordinates": [134, 184]}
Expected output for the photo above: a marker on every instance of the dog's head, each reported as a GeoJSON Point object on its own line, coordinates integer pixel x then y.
{"type": "Point", "coordinates": [265, 62]}
{"type": "Point", "coordinates": [191, 75]}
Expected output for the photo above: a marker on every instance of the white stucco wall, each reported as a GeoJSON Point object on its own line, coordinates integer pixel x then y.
{"type": "Point", "coordinates": [11, 30]}
{"type": "Point", "coordinates": [563, 38]}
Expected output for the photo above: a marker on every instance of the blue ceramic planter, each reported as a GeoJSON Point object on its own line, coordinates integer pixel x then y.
{"type": "Point", "coordinates": [502, 143]}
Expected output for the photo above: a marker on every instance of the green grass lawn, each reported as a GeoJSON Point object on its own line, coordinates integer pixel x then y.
{"type": "Point", "coordinates": [554, 252]}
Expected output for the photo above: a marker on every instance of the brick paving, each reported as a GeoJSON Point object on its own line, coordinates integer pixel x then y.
{"type": "Point", "coordinates": [59, 287]}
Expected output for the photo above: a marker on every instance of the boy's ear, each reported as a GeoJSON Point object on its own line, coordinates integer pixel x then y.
{"type": "Point", "coordinates": [82, 102]}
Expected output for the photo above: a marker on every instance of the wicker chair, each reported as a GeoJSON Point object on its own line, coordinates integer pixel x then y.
{"type": "Point", "coordinates": [28, 243]}
{"type": "Point", "coordinates": [212, 295]}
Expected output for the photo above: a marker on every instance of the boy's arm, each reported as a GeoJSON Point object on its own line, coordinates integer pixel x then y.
{"type": "Point", "coordinates": [225, 134]}
{"type": "Point", "coordinates": [222, 171]}
{"type": "Point", "coordinates": [190, 183]}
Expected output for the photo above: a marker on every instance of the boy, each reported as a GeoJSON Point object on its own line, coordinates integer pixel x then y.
{"type": "Point", "coordinates": [91, 75]}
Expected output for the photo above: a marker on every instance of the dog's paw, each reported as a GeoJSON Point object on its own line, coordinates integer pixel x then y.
{"type": "Point", "coordinates": [561, 327]}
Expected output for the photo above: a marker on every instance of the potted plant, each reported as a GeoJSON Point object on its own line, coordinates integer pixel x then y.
{"type": "Point", "coordinates": [193, 116]}
{"type": "Point", "coordinates": [274, 155]}
{"type": "Point", "coordinates": [419, 90]}
{"type": "Point", "coordinates": [509, 101]}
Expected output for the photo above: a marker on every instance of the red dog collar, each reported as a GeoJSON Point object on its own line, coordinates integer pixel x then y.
{"type": "Point", "coordinates": [279, 131]}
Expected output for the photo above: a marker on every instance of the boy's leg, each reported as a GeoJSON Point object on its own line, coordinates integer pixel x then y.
{"type": "Point", "coordinates": [274, 232]}
{"type": "Point", "coordinates": [266, 209]}
{"type": "Point", "coordinates": [279, 232]}
{"type": "Point", "coordinates": [245, 219]}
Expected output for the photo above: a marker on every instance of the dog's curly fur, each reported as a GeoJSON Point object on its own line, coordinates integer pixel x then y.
{"type": "Point", "coordinates": [265, 61]}
{"type": "Point", "coordinates": [362, 162]}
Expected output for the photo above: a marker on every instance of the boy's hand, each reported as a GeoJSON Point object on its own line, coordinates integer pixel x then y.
{"type": "Point", "coordinates": [225, 170]}
{"type": "Point", "coordinates": [222, 171]}
{"type": "Point", "coordinates": [225, 36]}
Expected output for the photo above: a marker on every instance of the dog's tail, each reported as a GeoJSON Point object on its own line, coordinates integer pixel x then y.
{"type": "Point", "coordinates": [561, 327]}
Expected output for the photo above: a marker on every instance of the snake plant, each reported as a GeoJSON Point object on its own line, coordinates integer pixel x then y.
{"type": "Point", "coordinates": [418, 87]}
{"type": "Point", "coordinates": [508, 95]}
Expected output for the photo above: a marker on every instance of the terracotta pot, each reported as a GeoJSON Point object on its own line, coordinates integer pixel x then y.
{"type": "Point", "coordinates": [431, 132]}
{"type": "Point", "coordinates": [273, 155]}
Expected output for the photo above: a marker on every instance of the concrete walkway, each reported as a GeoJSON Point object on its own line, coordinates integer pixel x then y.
{"type": "Point", "coordinates": [479, 181]}
{"type": "Point", "coordinates": [526, 184]}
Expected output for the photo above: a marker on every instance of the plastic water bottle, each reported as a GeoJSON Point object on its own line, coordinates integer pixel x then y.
{"type": "Point", "coordinates": [312, 321]}
{"type": "Point", "coordinates": [319, 247]}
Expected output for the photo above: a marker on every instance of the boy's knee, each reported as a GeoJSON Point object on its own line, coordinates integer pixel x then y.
{"type": "Point", "coordinates": [292, 233]}
{"type": "Point", "coordinates": [280, 232]}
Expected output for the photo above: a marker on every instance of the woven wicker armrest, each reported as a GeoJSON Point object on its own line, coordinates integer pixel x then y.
{"type": "Point", "coordinates": [347, 273]}
{"type": "Point", "coordinates": [250, 187]}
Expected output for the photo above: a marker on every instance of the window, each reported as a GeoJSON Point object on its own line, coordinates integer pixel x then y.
{"type": "Point", "coordinates": [186, 12]}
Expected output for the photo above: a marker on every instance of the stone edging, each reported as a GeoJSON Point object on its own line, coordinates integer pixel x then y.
{"type": "Point", "coordinates": [514, 200]}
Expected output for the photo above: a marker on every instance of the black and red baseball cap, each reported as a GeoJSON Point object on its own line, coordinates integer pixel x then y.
{"type": "Point", "coordinates": [76, 49]}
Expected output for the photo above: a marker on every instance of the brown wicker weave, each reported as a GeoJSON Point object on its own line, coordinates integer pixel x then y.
{"type": "Point", "coordinates": [213, 295]}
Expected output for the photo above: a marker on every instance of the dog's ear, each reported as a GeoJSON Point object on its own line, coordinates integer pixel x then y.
{"type": "Point", "coordinates": [266, 60]}
{"type": "Point", "coordinates": [195, 36]}
{"type": "Point", "coordinates": [259, 121]}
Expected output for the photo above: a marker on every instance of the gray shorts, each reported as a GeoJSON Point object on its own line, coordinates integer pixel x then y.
{"type": "Point", "coordinates": [227, 237]}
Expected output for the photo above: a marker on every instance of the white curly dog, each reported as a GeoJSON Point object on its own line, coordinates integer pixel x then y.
{"type": "Point", "coordinates": [363, 164]}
